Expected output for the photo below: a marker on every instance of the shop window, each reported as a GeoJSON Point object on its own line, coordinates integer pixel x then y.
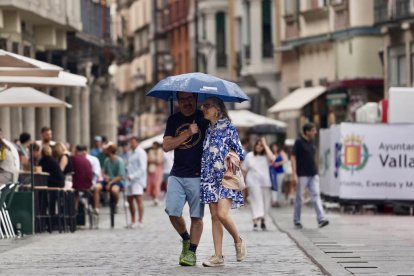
{"type": "Point", "coordinates": [397, 65]}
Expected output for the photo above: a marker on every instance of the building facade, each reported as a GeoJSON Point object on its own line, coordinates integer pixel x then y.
{"type": "Point", "coordinates": [394, 17]}
{"type": "Point", "coordinates": [330, 57]}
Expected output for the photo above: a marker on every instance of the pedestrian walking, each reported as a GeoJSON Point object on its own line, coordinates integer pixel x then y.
{"type": "Point", "coordinates": [277, 173]}
{"type": "Point", "coordinates": [136, 181]}
{"type": "Point", "coordinates": [155, 171]}
{"type": "Point", "coordinates": [184, 134]}
{"type": "Point", "coordinates": [305, 174]}
{"type": "Point", "coordinates": [221, 138]}
{"type": "Point", "coordinates": [256, 168]}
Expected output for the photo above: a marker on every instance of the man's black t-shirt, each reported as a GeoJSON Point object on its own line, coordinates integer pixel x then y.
{"type": "Point", "coordinates": [304, 151]}
{"type": "Point", "coordinates": [187, 157]}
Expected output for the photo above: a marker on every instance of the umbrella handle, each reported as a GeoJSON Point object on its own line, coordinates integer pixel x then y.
{"type": "Point", "coordinates": [171, 106]}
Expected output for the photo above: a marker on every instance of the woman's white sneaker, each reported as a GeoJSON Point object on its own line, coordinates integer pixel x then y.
{"type": "Point", "coordinates": [214, 261]}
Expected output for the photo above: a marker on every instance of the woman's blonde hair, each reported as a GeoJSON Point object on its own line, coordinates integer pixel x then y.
{"type": "Point", "coordinates": [46, 150]}
{"type": "Point", "coordinates": [59, 149]}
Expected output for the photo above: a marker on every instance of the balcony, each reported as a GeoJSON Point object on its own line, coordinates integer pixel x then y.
{"type": "Point", "coordinates": [400, 9]}
{"type": "Point", "coordinates": [315, 10]}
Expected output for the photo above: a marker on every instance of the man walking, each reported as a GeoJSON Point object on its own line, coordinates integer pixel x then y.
{"type": "Point", "coordinates": [184, 134]}
{"type": "Point", "coordinates": [136, 180]}
{"type": "Point", "coordinates": [305, 174]}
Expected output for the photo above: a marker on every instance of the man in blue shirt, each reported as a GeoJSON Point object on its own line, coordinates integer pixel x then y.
{"type": "Point", "coordinates": [184, 134]}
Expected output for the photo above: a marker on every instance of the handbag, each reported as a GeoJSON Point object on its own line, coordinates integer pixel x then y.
{"type": "Point", "coordinates": [233, 181]}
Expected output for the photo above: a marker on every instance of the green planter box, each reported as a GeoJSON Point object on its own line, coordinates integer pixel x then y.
{"type": "Point", "coordinates": [21, 211]}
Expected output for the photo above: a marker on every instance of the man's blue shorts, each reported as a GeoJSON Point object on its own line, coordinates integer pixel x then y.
{"type": "Point", "coordinates": [180, 190]}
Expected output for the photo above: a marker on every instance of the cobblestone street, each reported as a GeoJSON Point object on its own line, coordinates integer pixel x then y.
{"type": "Point", "coordinates": [153, 250]}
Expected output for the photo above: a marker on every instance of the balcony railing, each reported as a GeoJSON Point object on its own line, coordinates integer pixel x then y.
{"type": "Point", "coordinates": [402, 8]}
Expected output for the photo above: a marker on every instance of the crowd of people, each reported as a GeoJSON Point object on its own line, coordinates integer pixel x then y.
{"type": "Point", "coordinates": [198, 149]}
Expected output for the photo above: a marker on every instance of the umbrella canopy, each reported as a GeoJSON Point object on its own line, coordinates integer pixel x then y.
{"type": "Point", "coordinates": [28, 97]}
{"type": "Point", "coordinates": [202, 84]}
{"type": "Point", "coordinates": [246, 119]}
{"type": "Point", "coordinates": [17, 65]}
{"type": "Point", "coordinates": [63, 79]}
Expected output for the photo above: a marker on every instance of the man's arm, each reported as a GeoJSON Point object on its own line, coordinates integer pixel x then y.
{"type": "Point", "coordinates": [171, 143]}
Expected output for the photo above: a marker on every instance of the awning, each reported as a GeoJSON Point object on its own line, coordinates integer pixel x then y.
{"type": "Point", "coordinates": [146, 144]}
{"type": "Point", "coordinates": [297, 99]}
{"type": "Point", "coordinates": [29, 97]}
{"type": "Point", "coordinates": [246, 118]}
{"type": "Point", "coordinates": [17, 65]}
{"type": "Point", "coordinates": [63, 79]}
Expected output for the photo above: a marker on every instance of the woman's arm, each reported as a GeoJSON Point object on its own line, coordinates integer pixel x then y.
{"type": "Point", "coordinates": [63, 162]}
{"type": "Point", "coordinates": [269, 154]}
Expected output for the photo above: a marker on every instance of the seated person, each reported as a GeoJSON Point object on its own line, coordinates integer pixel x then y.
{"type": "Point", "coordinates": [83, 174]}
{"type": "Point", "coordinates": [113, 173]}
{"type": "Point", "coordinates": [56, 177]}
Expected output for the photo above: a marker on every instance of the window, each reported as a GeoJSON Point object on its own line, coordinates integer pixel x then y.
{"type": "Point", "coordinates": [380, 10]}
{"type": "Point", "coordinates": [267, 46]}
{"type": "Point", "coordinates": [221, 39]}
{"type": "Point", "coordinates": [397, 65]}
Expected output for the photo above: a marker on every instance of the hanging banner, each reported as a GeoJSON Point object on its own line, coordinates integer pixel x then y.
{"type": "Point", "coordinates": [370, 161]}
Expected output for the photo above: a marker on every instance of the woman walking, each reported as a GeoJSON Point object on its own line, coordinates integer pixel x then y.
{"type": "Point", "coordinates": [256, 167]}
{"type": "Point", "coordinates": [221, 138]}
{"type": "Point", "coordinates": [277, 173]}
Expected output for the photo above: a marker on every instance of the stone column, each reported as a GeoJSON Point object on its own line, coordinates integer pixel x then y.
{"type": "Point", "coordinates": [29, 125]}
{"type": "Point", "coordinates": [74, 117]}
{"type": "Point", "coordinates": [109, 122]}
{"type": "Point", "coordinates": [96, 110]}
{"type": "Point", "coordinates": [5, 122]}
{"type": "Point", "coordinates": [16, 122]}
{"type": "Point", "coordinates": [85, 116]}
{"type": "Point", "coordinates": [59, 117]}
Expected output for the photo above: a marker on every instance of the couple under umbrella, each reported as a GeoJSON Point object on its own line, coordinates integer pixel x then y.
{"type": "Point", "coordinates": [203, 143]}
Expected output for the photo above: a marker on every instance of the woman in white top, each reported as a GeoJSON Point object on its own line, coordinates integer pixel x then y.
{"type": "Point", "coordinates": [256, 168]}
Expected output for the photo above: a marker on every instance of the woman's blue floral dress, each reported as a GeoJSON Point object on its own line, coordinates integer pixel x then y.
{"type": "Point", "coordinates": [219, 139]}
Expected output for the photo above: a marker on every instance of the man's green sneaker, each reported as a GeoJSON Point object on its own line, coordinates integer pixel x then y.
{"type": "Point", "coordinates": [189, 259]}
{"type": "Point", "coordinates": [186, 246]}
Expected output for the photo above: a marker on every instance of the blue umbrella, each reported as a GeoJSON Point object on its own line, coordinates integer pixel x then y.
{"type": "Point", "coordinates": [202, 84]}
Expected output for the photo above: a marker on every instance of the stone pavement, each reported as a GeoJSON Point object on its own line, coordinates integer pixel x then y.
{"type": "Point", "coordinates": [153, 250]}
{"type": "Point", "coordinates": [353, 244]}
